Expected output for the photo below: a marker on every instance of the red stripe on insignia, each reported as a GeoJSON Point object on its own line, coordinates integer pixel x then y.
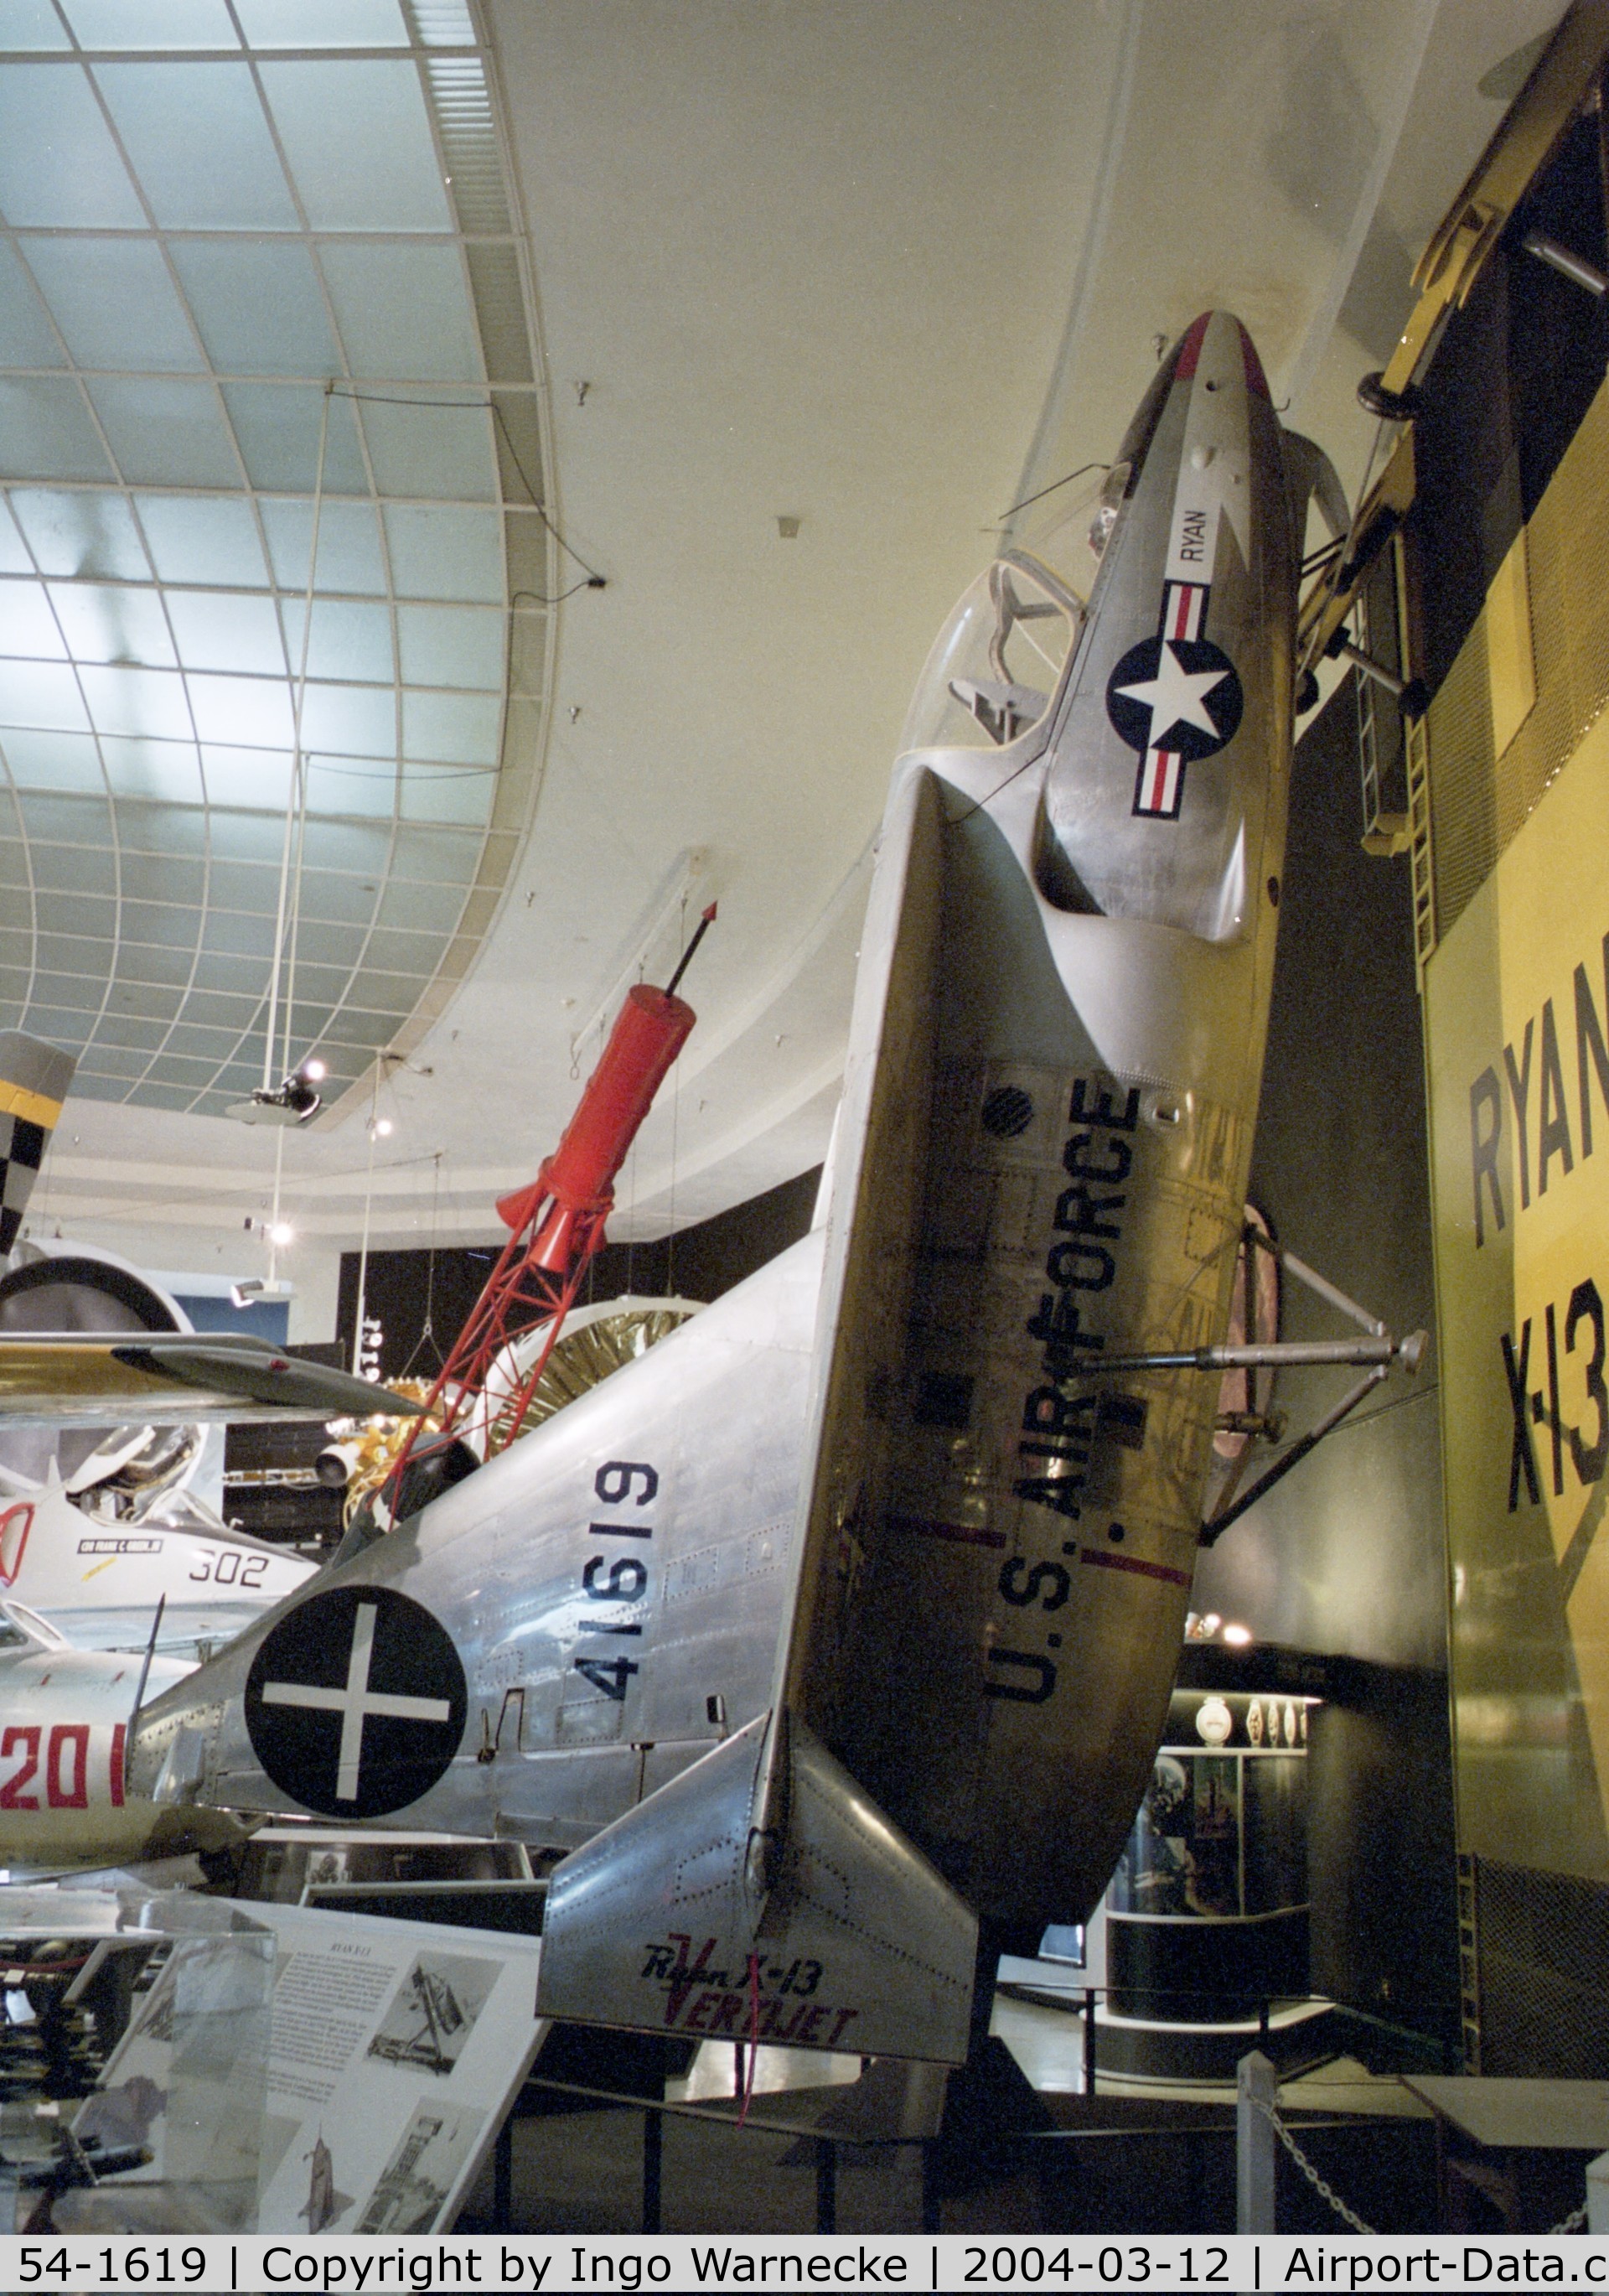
{"type": "Point", "coordinates": [1103, 1559]}
{"type": "Point", "coordinates": [1157, 796]}
{"type": "Point", "coordinates": [1181, 612]}
{"type": "Point", "coordinates": [1189, 350]}
{"type": "Point", "coordinates": [954, 1534]}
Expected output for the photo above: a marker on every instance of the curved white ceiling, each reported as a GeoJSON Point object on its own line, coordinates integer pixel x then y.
{"type": "Point", "coordinates": [859, 263]}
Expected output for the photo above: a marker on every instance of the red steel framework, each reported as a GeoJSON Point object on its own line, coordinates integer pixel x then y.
{"type": "Point", "coordinates": [557, 1224]}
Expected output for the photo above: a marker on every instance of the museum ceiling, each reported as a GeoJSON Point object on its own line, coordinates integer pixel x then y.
{"type": "Point", "coordinates": [685, 277]}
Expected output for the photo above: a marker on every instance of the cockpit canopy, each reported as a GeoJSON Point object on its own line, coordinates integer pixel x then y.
{"type": "Point", "coordinates": [998, 660]}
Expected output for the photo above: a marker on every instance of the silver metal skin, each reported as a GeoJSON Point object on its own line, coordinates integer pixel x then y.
{"type": "Point", "coordinates": [877, 1513]}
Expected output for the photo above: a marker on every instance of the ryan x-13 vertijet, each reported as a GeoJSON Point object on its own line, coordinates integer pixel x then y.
{"type": "Point", "coordinates": [840, 1629]}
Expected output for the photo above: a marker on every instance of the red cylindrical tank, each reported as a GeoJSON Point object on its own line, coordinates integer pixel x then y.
{"type": "Point", "coordinates": [650, 1030]}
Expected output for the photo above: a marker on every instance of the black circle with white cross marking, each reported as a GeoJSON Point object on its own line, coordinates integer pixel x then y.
{"type": "Point", "coordinates": [1181, 694]}
{"type": "Point", "coordinates": [355, 1701]}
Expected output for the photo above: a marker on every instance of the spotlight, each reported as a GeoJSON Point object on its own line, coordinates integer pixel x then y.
{"type": "Point", "coordinates": [280, 1233]}
{"type": "Point", "coordinates": [314, 1071]}
{"type": "Point", "coordinates": [1237, 1637]}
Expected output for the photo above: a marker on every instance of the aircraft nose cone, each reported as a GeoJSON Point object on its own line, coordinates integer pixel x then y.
{"type": "Point", "coordinates": [1194, 341]}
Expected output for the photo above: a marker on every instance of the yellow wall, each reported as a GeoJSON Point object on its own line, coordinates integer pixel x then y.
{"type": "Point", "coordinates": [1514, 993]}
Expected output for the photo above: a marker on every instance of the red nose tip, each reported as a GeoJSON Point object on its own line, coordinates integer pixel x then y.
{"type": "Point", "coordinates": [1189, 350]}
{"type": "Point", "coordinates": [1256, 380]}
{"type": "Point", "coordinates": [1190, 355]}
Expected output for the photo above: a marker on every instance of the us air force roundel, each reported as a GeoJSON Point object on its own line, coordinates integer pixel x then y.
{"type": "Point", "coordinates": [355, 1701]}
{"type": "Point", "coordinates": [1180, 695]}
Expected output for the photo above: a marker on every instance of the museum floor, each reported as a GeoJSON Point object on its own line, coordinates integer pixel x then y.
{"type": "Point", "coordinates": [1135, 2158]}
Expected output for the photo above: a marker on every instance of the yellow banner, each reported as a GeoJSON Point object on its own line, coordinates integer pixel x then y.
{"type": "Point", "coordinates": [1516, 1018]}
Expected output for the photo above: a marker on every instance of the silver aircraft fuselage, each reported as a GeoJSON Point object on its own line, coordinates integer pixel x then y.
{"type": "Point", "coordinates": [879, 1510]}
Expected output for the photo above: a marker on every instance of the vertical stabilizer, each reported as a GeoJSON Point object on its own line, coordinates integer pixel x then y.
{"type": "Point", "coordinates": [34, 1080]}
{"type": "Point", "coordinates": [682, 1918]}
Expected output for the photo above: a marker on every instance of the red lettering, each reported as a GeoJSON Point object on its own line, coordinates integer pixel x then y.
{"type": "Point", "coordinates": [805, 2033]}
{"type": "Point", "coordinates": [845, 2018]}
{"type": "Point", "coordinates": [119, 1733]}
{"type": "Point", "coordinates": [12, 1796]}
{"type": "Point", "coordinates": [693, 2022]}
{"type": "Point", "coordinates": [68, 1742]}
{"type": "Point", "coordinates": [730, 2012]}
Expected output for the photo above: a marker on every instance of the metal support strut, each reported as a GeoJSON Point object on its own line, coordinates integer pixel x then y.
{"type": "Point", "coordinates": [1377, 1350]}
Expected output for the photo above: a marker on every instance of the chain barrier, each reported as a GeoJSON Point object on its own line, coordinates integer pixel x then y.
{"type": "Point", "coordinates": [1575, 2222]}
{"type": "Point", "coordinates": [1326, 2192]}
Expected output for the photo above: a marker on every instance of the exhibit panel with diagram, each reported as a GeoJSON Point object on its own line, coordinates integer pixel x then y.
{"type": "Point", "coordinates": [388, 2059]}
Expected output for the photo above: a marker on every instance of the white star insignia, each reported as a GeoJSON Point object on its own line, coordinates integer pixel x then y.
{"type": "Point", "coordinates": [1175, 696]}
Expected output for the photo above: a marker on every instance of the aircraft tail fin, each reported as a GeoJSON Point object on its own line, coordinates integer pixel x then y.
{"type": "Point", "coordinates": [34, 1080]}
{"type": "Point", "coordinates": [719, 1907]}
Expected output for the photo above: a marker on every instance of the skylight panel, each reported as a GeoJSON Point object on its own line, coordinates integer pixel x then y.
{"type": "Point", "coordinates": [78, 821]}
{"type": "Point", "coordinates": [259, 779]}
{"type": "Point", "coordinates": [257, 306]}
{"type": "Point", "coordinates": [170, 877]}
{"type": "Point", "coordinates": [251, 711]}
{"type": "Point", "coordinates": [225, 630]}
{"type": "Point", "coordinates": [431, 450]}
{"type": "Point", "coordinates": [404, 311]}
{"type": "Point", "coordinates": [199, 540]}
{"type": "Point", "coordinates": [27, 338]}
{"type": "Point", "coordinates": [251, 887]}
{"type": "Point", "coordinates": [248, 836]}
{"type": "Point", "coordinates": [228, 178]}
{"type": "Point", "coordinates": [46, 430]}
{"type": "Point", "coordinates": [330, 897]}
{"type": "Point", "coordinates": [350, 639]}
{"type": "Point", "coordinates": [462, 729]}
{"type": "Point", "coordinates": [365, 787]}
{"type": "Point", "coordinates": [277, 425]}
{"type": "Point", "coordinates": [59, 165]}
{"type": "Point", "coordinates": [445, 552]}
{"type": "Point", "coordinates": [148, 703]}
{"type": "Point", "coordinates": [34, 24]}
{"type": "Point", "coordinates": [449, 645]}
{"type": "Point", "coordinates": [14, 558]}
{"type": "Point", "coordinates": [26, 625]}
{"type": "Point", "coordinates": [112, 622]}
{"type": "Point", "coordinates": [357, 721]}
{"type": "Point", "coordinates": [137, 24]}
{"type": "Point", "coordinates": [39, 760]}
{"type": "Point", "coordinates": [114, 302]}
{"type": "Point", "coordinates": [323, 23]}
{"type": "Point", "coordinates": [449, 794]}
{"type": "Point", "coordinates": [169, 771]}
{"type": "Point", "coordinates": [349, 554]}
{"type": "Point", "coordinates": [86, 534]}
{"type": "Point", "coordinates": [166, 433]}
{"type": "Point", "coordinates": [237, 935]}
{"type": "Point", "coordinates": [41, 694]}
{"type": "Point", "coordinates": [358, 140]}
